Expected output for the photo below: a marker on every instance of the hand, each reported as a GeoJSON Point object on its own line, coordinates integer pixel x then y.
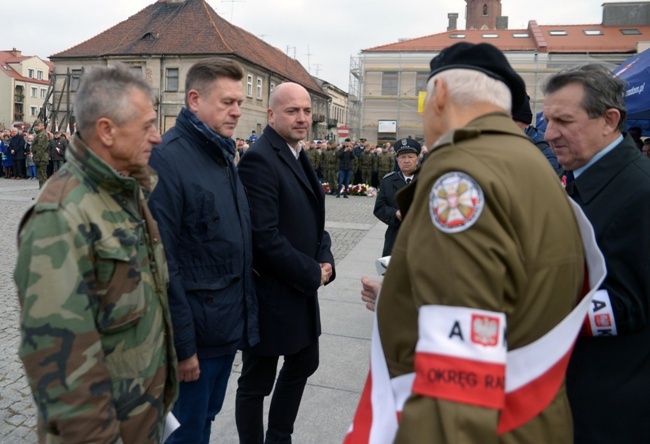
{"type": "Point", "coordinates": [398, 215]}
{"type": "Point", "coordinates": [369, 292]}
{"type": "Point", "coordinates": [188, 370]}
{"type": "Point", "coordinates": [325, 273]}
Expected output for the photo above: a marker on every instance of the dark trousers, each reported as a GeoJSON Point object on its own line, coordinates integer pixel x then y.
{"type": "Point", "coordinates": [344, 181]}
{"type": "Point", "coordinates": [19, 168]}
{"type": "Point", "coordinates": [200, 401]}
{"type": "Point", "coordinates": [256, 382]}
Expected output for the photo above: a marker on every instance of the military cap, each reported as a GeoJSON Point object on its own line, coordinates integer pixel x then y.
{"type": "Point", "coordinates": [485, 58]}
{"type": "Point", "coordinates": [37, 122]}
{"type": "Point", "coordinates": [407, 145]}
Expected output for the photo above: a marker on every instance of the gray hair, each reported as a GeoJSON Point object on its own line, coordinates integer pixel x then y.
{"type": "Point", "coordinates": [468, 86]}
{"type": "Point", "coordinates": [105, 92]}
{"type": "Point", "coordinates": [202, 75]}
{"type": "Point", "coordinates": [602, 91]}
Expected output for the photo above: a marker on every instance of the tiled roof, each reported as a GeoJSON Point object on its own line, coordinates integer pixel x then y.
{"type": "Point", "coordinates": [7, 58]}
{"type": "Point", "coordinates": [540, 38]}
{"type": "Point", "coordinates": [191, 27]}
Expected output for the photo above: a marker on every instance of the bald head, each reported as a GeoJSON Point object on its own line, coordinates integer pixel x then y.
{"type": "Point", "coordinates": [289, 112]}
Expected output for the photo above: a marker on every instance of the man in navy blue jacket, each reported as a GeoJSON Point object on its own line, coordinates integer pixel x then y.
{"type": "Point", "coordinates": [204, 220]}
{"type": "Point", "coordinates": [292, 260]}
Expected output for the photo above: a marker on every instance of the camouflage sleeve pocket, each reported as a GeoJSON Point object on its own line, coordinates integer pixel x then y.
{"type": "Point", "coordinates": [121, 295]}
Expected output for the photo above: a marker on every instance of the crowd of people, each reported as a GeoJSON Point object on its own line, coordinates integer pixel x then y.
{"type": "Point", "coordinates": [21, 156]}
{"type": "Point", "coordinates": [147, 261]}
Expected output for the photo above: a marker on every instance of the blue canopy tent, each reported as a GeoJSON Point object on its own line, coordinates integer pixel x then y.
{"type": "Point", "coordinates": [636, 72]}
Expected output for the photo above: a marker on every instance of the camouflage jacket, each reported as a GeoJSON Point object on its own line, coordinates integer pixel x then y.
{"type": "Point", "coordinates": [39, 147]}
{"type": "Point", "coordinates": [384, 163]}
{"type": "Point", "coordinates": [96, 337]}
{"type": "Point", "coordinates": [368, 161]}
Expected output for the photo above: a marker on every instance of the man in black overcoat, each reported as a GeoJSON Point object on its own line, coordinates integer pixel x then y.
{"type": "Point", "coordinates": [292, 259]}
{"type": "Point", "coordinates": [608, 379]}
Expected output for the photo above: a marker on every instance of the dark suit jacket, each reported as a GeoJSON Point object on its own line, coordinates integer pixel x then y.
{"type": "Point", "coordinates": [289, 243]}
{"type": "Point", "coordinates": [608, 379]}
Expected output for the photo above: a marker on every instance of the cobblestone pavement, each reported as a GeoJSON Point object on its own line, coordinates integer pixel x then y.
{"type": "Point", "coordinates": [348, 221]}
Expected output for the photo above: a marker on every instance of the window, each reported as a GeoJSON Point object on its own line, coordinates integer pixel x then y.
{"type": "Point", "coordinates": [521, 35]}
{"type": "Point", "coordinates": [456, 36]}
{"type": "Point", "coordinates": [421, 81]}
{"type": "Point", "coordinates": [33, 92]}
{"type": "Point", "coordinates": [630, 31]}
{"type": "Point", "coordinates": [485, 11]}
{"type": "Point", "coordinates": [30, 73]}
{"type": "Point", "coordinates": [43, 93]}
{"type": "Point", "coordinates": [136, 70]}
{"type": "Point", "coordinates": [259, 88]}
{"type": "Point", "coordinates": [249, 85]}
{"type": "Point", "coordinates": [593, 32]}
{"type": "Point", "coordinates": [76, 77]}
{"type": "Point", "coordinates": [172, 79]}
{"type": "Point", "coordinates": [557, 32]}
{"type": "Point", "coordinates": [39, 74]}
{"type": "Point", "coordinates": [490, 36]}
{"type": "Point", "coordinates": [389, 83]}
{"type": "Point", "coordinates": [33, 111]}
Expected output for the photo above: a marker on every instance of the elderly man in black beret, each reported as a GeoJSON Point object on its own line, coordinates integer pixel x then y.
{"type": "Point", "coordinates": [476, 317]}
{"type": "Point", "coordinates": [407, 152]}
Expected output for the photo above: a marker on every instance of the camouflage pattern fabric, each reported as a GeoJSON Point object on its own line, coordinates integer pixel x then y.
{"type": "Point", "coordinates": [39, 148]}
{"type": "Point", "coordinates": [96, 338]}
{"type": "Point", "coordinates": [385, 163]}
{"type": "Point", "coordinates": [367, 161]}
{"type": "Point", "coordinates": [331, 164]}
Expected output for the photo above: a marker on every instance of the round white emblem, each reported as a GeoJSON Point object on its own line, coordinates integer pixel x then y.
{"type": "Point", "coordinates": [455, 202]}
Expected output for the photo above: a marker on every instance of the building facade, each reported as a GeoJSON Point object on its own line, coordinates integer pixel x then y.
{"type": "Point", "coordinates": [161, 43]}
{"type": "Point", "coordinates": [24, 82]}
{"type": "Point", "coordinates": [388, 82]}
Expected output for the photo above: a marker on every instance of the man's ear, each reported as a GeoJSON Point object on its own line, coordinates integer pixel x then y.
{"type": "Point", "coordinates": [193, 100]}
{"type": "Point", "coordinates": [441, 94]}
{"type": "Point", "coordinates": [104, 129]}
{"type": "Point", "coordinates": [612, 117]}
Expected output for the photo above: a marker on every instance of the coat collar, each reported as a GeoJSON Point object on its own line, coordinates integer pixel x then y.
{"type": "Point", "coordinates": [283, 151]}
{"type": "Point", "coordinates": [598, 175]}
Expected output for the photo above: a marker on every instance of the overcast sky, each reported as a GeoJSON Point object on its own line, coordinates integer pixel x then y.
{"type": "Point", "coordinates": [330, 31]}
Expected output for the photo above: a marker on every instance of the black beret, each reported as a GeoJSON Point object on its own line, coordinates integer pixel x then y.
{"type": "Point", "coordinates": [407, 145]}
{"type": "Point", "coordinates": [523, 114]}
{"type": "Point", "coordinates": [485, 58]}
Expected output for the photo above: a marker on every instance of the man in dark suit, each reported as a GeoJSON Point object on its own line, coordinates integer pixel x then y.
{"type": "Point", "coordinates": [608, 379]}
{"type": "Point", "coordinates": [292, 259]}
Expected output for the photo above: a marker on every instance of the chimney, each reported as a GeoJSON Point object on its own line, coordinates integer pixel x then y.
{"type": "Point", "coordinates": [453, 21]}
{"type": "Point", "coordinates": [16, 53]}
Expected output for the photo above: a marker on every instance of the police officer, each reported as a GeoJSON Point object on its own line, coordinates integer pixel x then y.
{"type": "Point", "coordinates": [386, 209]}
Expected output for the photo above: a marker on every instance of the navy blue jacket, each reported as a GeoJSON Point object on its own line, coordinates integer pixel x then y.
{"type": "Point", "coordinates": [288, 213]}
{"type": "Point", "coordinates": [204, 220]}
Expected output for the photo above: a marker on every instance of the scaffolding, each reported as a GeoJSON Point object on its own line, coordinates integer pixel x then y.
{"type": "Point", "coordinates": [57, 111]}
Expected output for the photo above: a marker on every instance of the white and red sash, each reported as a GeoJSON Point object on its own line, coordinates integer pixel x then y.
{"type": "Point", "coordinates": [533, 374]}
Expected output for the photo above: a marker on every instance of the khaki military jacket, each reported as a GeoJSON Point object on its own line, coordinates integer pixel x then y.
{"type": "Point", "coordinates": [487, 226]}
{"type": "Point", "coordinates": [96, 331]}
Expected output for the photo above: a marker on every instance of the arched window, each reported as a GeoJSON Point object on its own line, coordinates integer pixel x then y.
{"type": "Point", "coordinates": [485, 9]}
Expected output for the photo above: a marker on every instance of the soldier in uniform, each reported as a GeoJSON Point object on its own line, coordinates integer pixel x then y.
{"type": "Point", "coordinates": [386, 209]}
{"type": "Point", "coordinates": [313, 155]}
{"type": "Point", "coordinates": [384, 164]}
{"type": "Point", "coordinates": [367, 162]}
{"type": "Point", "coordinates": [331, 162]}
{"type": "Point", "coordinates": [39, 148]}
{"type": "Point", "coordinates": [96, 334]}
{"type": "Point", "coordinates": [478, 272]}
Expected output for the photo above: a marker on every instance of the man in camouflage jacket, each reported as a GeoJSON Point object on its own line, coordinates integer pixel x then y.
{"type": "Point", "coordinates": [39, 148]}
{"type": "Point", "coordinates": [96, 337]}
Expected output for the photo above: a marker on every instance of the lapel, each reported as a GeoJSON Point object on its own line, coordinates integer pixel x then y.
{"type": "Point", "coordinates": [283, 151]}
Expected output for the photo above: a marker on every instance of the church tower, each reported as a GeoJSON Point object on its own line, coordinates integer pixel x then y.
{"type": "Point", "coordinates": [485, 15]}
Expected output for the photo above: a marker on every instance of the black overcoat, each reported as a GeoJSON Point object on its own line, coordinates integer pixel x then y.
{"type": "Point", "coordinates": [289, 243]}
